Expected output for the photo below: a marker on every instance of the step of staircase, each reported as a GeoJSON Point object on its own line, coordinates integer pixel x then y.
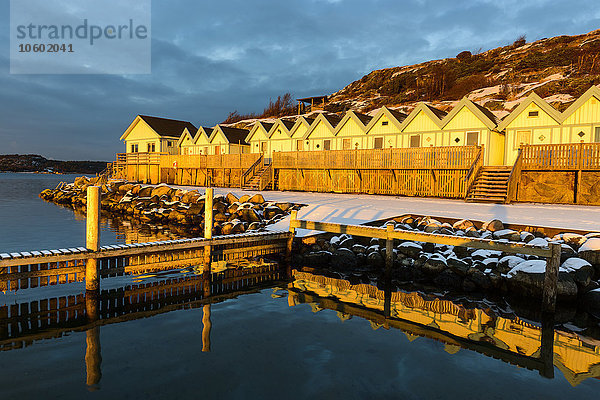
{"type": "Point", "coordinates": [491, 185]}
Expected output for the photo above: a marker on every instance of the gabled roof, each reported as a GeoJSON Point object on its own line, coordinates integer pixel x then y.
{"type": "Point", "coordinates": [330, 120]}
{"type": "Point", "coordinates": [301, 120]}
{"type": "Point", "coordinates": [397, 117]}
{"type": "Point", "coordinates": [433, 113]}
{"type": "Point", "coordinates": [163, 127]}
{"type": "Point", "coordinates": [362, 120]}
{"type": "Point", "coordinates": [265, 126]}
{"type": "Point", "coordinates": [284, 124]}
{"type": "Point", "coordinates": [484, 115]}
{"type": "Point", "coordinates": [532, 98]}
{"type": "Point", "coordinates": [186, 133]}
{"type": "Point", "coordinates": [232, 135]}
{"type": "Point", "coordinates": [203, 131]}
{"type": "Point", "coordinates": [594, 91]}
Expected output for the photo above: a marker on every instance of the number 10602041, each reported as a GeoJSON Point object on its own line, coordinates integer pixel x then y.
{"type": "Point", "coordinates": [45, 48]}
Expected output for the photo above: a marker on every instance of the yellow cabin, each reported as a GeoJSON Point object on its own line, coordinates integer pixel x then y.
{"type": "Point", "coordinates": [581, 121]}
{"type": "Point", "coordinates": [280, 136]}
{"type": "Point", "coordinates": [154, 135]}
{"type": "Point", "coordinates": [321, 135]}
{"type": "Point", "coordinates": [422, 127]}
{"type": "Point", "coordinates": [227, 140]}
{"type": "Point", "coordinates": [258, 138]}
{"type": "Point", "coordinates": [350, 132]}
{"type": "Point", "coordinates": [533, 122]}
{"type": "Point", "coordinates": [469, 124]}
{"type": "Point", "coordinates": [298, 132]}
{"type": "Point", "coordinates": [385, 129]}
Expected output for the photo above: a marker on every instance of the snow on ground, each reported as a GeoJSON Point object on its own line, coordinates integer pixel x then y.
{"type": "Point", "coordinates": [361, 208]}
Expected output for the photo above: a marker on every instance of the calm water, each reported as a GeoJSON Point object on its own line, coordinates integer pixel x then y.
{"type": "Point", "coordinates": [305, 339]}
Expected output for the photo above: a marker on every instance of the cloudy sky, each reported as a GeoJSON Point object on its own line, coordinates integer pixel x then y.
{"type": "Point", "coordinates": [210, 58]}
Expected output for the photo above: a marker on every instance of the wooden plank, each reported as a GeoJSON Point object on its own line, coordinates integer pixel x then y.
{"type": "Point", "coordinates": [373, 232]}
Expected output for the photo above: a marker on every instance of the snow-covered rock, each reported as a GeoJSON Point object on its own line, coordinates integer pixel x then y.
{"type": "Point", "coordinates": [574, 238]}
{"type": "Point", "coordinates": [538, 242]}
{"type": "Point", "coordinates": [590, 250]}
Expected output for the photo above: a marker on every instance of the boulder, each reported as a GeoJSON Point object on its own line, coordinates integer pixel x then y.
{"type": "Point", "coordinates": [231, 198]}
{"type": "Point", "coordinates": [317, 259]}
{"type": "Point", "coordinates": [458, 266]}
{"type": "Point", "coordinates": [410, 249]}
{"type": "Point", "coordinates": [590, 250]}
{"type": "Point", "coordinates": [527, 236]}
{"type": "Point", "coordinates": [359, 249]}
{"type": "Point", "coordinates": [449, 279]}
{"type": "Point", "coordinates": [509, 234]}
{"type": "Point", "coordinates": [507, 263]}
{"type": "Point", "coordinates": [592, 300]}
{"type": "Point", "coordinates": [375, 259]}
{"type": "Point", "coordinates": [256, 199]}
{"type": "Point", "coordinates": [574, 239]}
{"type": "Point", "coordinates": [344, 258]}
{"type": "Point", "coordinates": [435, 264]}
{"type": "Point", "coordinates": [493, 225]}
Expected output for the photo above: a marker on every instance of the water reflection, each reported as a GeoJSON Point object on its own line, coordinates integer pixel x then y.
{"type": "Point", "coordinates": [23, 324]}
{"type": "Point", "coordinates": [485, 329]}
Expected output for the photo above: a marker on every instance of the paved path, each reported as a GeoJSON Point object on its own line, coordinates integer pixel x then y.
{"type": "Point", "coordinates": [357, 209]}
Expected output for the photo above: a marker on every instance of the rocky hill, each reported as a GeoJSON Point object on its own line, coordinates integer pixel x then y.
{"type": "Point", "coordinates": [558, 69]}
{"type": "Point", "coordinates": [37, 163]}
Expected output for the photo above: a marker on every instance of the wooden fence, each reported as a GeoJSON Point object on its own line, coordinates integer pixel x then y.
{"type": "Point", "coordinates": [432, 171]}
{"type": "Point", "coordinates": [225, 170]}
{"type": "Point", "coordinates": [575, 156]}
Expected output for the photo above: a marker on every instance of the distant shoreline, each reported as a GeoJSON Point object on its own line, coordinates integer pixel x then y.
{"type": "Point", "coordinates": [34, 163]}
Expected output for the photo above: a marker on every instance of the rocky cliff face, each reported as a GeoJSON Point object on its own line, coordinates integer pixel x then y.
{"type": "Point", "coordinates": [37, 163]}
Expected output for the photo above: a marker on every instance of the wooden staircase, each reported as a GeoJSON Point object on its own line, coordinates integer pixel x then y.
{"type": "Point", "coordinates": [255, 181]}
{"type": "Point", "coordinates": [491, 185]}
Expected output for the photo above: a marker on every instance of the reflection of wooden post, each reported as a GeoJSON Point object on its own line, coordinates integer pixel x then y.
{"type": "Point", "coordinates": [206, 326]}
{"type": "Point", "coordinates": [208, 226]}
{"type": "Point", "coordinates": [93, 357]}
{"type": "Point", "coordinates": [547, 346]}
{"type": "Point", "coordinates": [551, 279]}
{"type": "Point", "coordinates": [92, 239]}
{"type": "Point", "coordinates": [290, 241]}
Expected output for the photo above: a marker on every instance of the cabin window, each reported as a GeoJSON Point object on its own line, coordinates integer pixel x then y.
{"type": "Point", "coordinates": [134, 148]}
{"type": "Point", "coordinates": [327, 144]}
{"type": "Point", "coordinates": [472, 138]}
{"type": "Point", "coordinates": [384, 123]}
{"type": "Point", "coordinates": [534, 113]}
{"type": "Point", "coordinates": [597, 134]}
{"type": "Point", "coordinates": [299, 145]}
{"type": "Point", "coordinates": [347, 144]}
{"type": "Point", "coordinates": [522, 137]}
{"type": "Point", "coordinates": [415, 141]}
{"type": "Point", "coordinates": [378, 143]}
{"type": "Point", "coordinates": [151, 147]}
{"type": "Point", "coordinates": [169, 143]}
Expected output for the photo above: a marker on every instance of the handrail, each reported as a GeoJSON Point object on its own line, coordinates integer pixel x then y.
{"type": "Point", "coordinates": [250, 169]}
{"type": "Point", "coordinates": [474, 171]}
{"type": "Point", "coordinates": [514, 177]}
{"type": "Point", "coordinates": [264, 183]}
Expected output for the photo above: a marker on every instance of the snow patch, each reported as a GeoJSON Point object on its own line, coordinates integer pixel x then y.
{"type": "Point", "coordinates": [592, 244]}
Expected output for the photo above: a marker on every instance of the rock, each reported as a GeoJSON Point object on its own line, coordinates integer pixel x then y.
{"type": "Point", "coordinates": [347, 243]}
{"type": "Point", "coordinates": [472, 232]}
{"type": "Point", "coordinates": [375, 259]}
{"type": "Point", "coordinates": [463, 225]}
{"type": "Point", "coordinates": [527, 236]}
{"type": "Point", "coordinates": [590, 250]}
{"type": "Point", "coordinates": [410, 249]}
{"type": "Point", "coordinates": [344, 258]}
{"type": "Point", "coordinates": [458, 266]}
{"type": "Point", "coordinates": [581, 270]}
{"type": "Point", "coordinates": [271, 212]}
{"type": "Point", "coordinates": [493, 225]}
{"type": "Point", "coordinates": [231, 198]}
{"type": "Point", "coordinates": [435, 264]}
{"type": "Point", "coordinates": [359, 249]}
{"type": "Point", "coordinates": [257, 199]}
{"type": "Point", "coordinates": [284, 206]}
{"type": "Point", "coordinates": [507, 263]}
{"type": "Point", "coordinates": [481, 280]}
{"type": "Point", "coordinates": [335, 241]}
{"type": "Point", "coordinates": [592, 299]}
{"type": "Point", "coordinates": [317, 258]}
{"type": "Point", "coordinates": [482, 254]}
{"type": "Point", "coordinates": [566, 252]}
{"type": "Point", "coordinates": [574, 239]}
{"type": "Point", "coordinates": [538, 242]}
{"type": "Point", "coordinates": [145, 191]}
{"type": "Point", "coordinates": [507, 234]}
{"type": "Point", "coordinates": [449, 279]}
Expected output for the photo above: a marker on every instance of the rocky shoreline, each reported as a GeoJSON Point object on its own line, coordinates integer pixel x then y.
{"type": "Point", "coordinates": [164, 205]}
{"type": "Point", "coordinates": [37, 163]}
{"type": "Point", "coordinates": [462, 269]}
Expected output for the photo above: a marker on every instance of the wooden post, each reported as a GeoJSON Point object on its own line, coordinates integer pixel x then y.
{"type": "Point", "coordinates": [551, 279]}
{"type": "Point", "coordinates": [389, 249]}
{"type": "Point", "coordinates": [547, 346]}
{"type": "Point", "coordinates": [92, 239]}
{"type": "Point", "coordinates": [208, 226]}
{"type": "Point", "coordinates": [206, 327]}
{"type": "Point", "coordinates": [290, 241]}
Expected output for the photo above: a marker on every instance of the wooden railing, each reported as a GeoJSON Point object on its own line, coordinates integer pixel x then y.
{"type": "Point", "coordinates": [266, 177]}
{"type": "Point", "coordinates": [514, 177]}
{"type": "Point", "coordinates": [449, 157]}
{"type": "Point", "coordinates": [575, 156]}
{"type": "Point", "coordinates": [249, 173]}
{"type": "Point", "coordinates": [474, 171]}
{"type": "Point", "coordinates": [139, 158]}
{"type": "Point", "coordinates": [228, 161]}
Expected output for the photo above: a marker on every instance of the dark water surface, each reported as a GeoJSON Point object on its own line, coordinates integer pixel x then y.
{"type": "Point", "coordinates": [309, 338]}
